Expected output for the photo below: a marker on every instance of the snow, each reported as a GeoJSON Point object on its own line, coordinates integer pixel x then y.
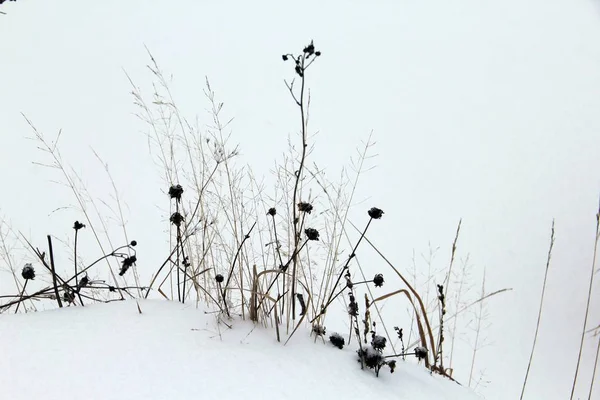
{"type": "Point", "coordinates": [177, 351]}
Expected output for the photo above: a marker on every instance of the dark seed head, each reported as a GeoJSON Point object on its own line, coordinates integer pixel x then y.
{"type": "Point", "coordinates": [284, 57]}
{"type": "Point", "coordinates": [219, 278]}
{"type": "Point", "coordinates": [352, 306]}
{"type": "Point", "coordinates": [312, 234]}
{"type": "Point", "coordinates": [392, 365]}
{"type": "Point", "coordinates": [176, 219]}
{"type": "Point", "coordinates": [127, 263]}
{"type": "Point", "coordinates": [378, 342]}
{"type": "Point", "coordinates": [319, 330]}
{"type": "Point", "coordinates": [378, 280]}
{"type": "Point", "coordinates": [371, 357]}
{"type": "Point", "coordinates": [310, 49]}
{"type": "Point", "coordinates": [272, 212]}
{"type": "Point", "coordinates": [175, 192]}
{"type": "Point", "coordinates": [133, 243]}
{"type": "Point", "coordinates": [28, 272]}
{"type": "Point", "coordinates": [375, 213]}
{"type": "Point", "coordinates": [317, 53]}
{"type": "Point", "coordinates": [68, 296]}
{"type": "Point", "coordinates": [420, 352]}
{"type": "Point", "coordinates": [305, 207]}
{"type": "Point", "coordinates": [78, 225]}
{"type": "Point", "coordinates": [398, 332]}
{"type": "Point", "coordinates": [83, 282]}
{"type": "Point", "coordinates": [337, 340]}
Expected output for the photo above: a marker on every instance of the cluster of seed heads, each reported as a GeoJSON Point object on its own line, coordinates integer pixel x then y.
{"type": "Point", "coordinates": [309, 53]}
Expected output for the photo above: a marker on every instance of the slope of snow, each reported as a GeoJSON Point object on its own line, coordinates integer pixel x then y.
{"type": "Point", "coordinates": [175, 351]}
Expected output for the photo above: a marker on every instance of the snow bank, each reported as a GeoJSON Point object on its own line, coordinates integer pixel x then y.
{"type": "Point", "coordinates": [175, 351]}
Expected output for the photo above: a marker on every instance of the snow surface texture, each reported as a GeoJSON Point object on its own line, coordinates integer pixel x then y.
{"type": "Point", "coordinates": [175, 351]}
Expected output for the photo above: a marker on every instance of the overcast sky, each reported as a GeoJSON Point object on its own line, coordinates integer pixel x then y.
{"type": "Point", "coordinates": [481, 110]}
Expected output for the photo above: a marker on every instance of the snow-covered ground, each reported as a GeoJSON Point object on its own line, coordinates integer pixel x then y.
{"type": "Point", "coordinates": [176, 351]}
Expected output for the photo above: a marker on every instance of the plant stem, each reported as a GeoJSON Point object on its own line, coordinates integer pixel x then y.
{"type": "Point", "coordinates": [297, 183]}
{"type": "Point", "coordinates": [352, 255]}
{"type": "Point", "coordinates": [594, 372]}
{"type": "Point", "coordinates": [587, 307]}
{"type": "Point", "coordinates": [246, 237]}
{"type": "Point", "coordinates": [539, 317]}
{"type": "Point", "coordinates": [21, 296]}
{"type": "Point", "coordinates": [54, 272]}
{"type": "Point", "coordinates": [76, 275]}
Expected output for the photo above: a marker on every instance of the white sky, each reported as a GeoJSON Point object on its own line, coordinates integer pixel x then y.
{"type": "Point", "coordinates": [482, 110]}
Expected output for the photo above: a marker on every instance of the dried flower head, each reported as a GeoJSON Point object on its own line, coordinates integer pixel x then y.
{"type": "Point", "coordinates": [310, 49]}
{"type": "Point", "coordinates": [420, 352]}
{"type": "Point", "coordinates": [272, 212]}
{"type": "Point", "coordinates": [337, 340]}
{"type": "Point", "coordinates": [219, 278]}
{"type": "Point", "coordinates": [378, 280]}
{"type": "Point", "coordinates": [127, 263]}
{"type": "Point", "coordinates": [28, 272]}
{"type": "Point", "coordinates": [319, 330]}
{"type": "Point", "coordinates": [284, 57]}
{"type": "Point", "coordinates": [78, 225]}
{"type": "Point", "coordinates": [371, 357]}
{"type": "Point", "coordinates": [305, 207]}
{"type": "Point", "coordinates": [441, 296]}
{"type": "Point", "coordinates": [392, 365]}
{"type": "Point", "coordinates": [83, 282]}
{"type": "Point", "coordinates": [348, 278]}
{"type": "Point", "coordinates": [133, 243]}
{"type": "Point", "coordinates": [312, 234]}
{"type": "Point", "coordinates": [176, 218]}
{"type": "Point", "coordinates": [68, 296]}
{"type": "Point", "coordinates": [353, 306]}
{"type": "Point", "coordinates": [398, 332]}
{"type": "Point", "coordinates": [375, 213]}
{"type": "Point", "coordinates": [175, 192]}
{"type": "Point", "coordinates": [378, 342]}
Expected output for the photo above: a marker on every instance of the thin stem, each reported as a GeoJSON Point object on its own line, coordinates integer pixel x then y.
{"type": "Point", "coordinates": [352, 255]}
{"type": "Point", "coordinates": [296, 184]}
{"type": "Point", "coordinates": [281, 270]}
{"type": "Point", "coordinates": [539, 317]}
{"type": "Point", "coordinates": [54, 272]}
{"type": "Point", "coordinates": [413, 291]}
{"type": "Point", "coordinates": [478, 330]}
{"type": "Point", "coordinates": [246, 237]}
{"type": "Point", "coordinates": [75, 261]}
{"type": "Point", "coordinates": [31, 296]}
{"type": "Point", "coordinates": [277, 250]}
{"type": "Point", "coordinates": [587, 306]}
{"type": "Point", "coordinates": [447, 280]}
{"type": "Point", "coordinates": [21, 296]}
{"type": "Point", "coordinates": [594, 372]}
